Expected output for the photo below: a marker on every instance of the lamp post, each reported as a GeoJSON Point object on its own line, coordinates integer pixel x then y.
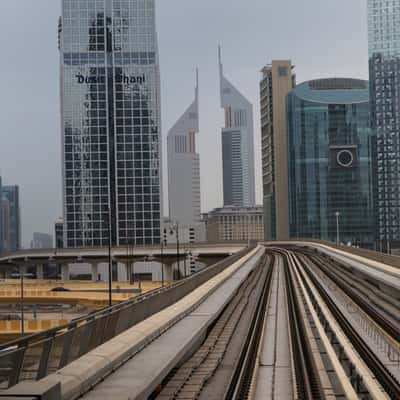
{"type": "Point", "coordinates": [337, 215]}
{"type": "Point", "coordinates": [162, 262]}
{"type": "Point", "coordinates": [21, 272]}
{"type": "Point", "coordinates": [109, 260]}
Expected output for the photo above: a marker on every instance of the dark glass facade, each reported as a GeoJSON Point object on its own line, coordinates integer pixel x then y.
{"type": "Point", "coordinates": [1, 221]}
{"type": "Point", "coordinates": [110, 105]}
{"type": "Point", "coordinates": [330, 168]}
{"type": "Point", "coordinates": [384, 66]}
{"type": "Point", "coordinates": [10, 208]}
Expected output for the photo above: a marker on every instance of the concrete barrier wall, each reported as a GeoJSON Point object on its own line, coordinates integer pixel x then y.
{"type": "Point", "coordinates": [147, 307]}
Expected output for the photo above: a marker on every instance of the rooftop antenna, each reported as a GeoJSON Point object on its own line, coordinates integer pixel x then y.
{"type": "Point", "coordinates": [197, 83]}
{"type": "Point", "coordinates": [221, 68]}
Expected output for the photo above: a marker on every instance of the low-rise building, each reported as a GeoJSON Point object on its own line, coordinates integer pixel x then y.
{"type": "Point", "coordinates": [232, 223]}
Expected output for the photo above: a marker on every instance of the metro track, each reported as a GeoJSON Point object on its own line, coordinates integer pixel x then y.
{"type": "Point", "coordinates": [281, 323]}
{"type": "Point", "coordinates": [333, 271]}
{"type": "Point", "coordinates": [386, 385]}
{"type": "Point", "coordinates": [187, 381]}
{"type": "Point", "coordinates": [350, 369]}
{"type": "Point", "coordinates": [387, 381]}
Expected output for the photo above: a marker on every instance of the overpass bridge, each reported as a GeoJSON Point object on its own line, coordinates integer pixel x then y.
{"type": "Point", "coordinates": [207, 253]}
{"type": "Point", "coordinates": [280, 320]}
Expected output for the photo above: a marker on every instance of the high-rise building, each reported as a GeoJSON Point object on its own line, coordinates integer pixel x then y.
{"type": "Point", "coordinates": [277, 80]}
{"type": "Point", "coordinates": [9, 197]}
{"type": "Point", "coordinates": [384, 66]}
{"type": "Point", "coordinates": [330, 161]}
{"type": "Point", "coordinates": [237, 145]}
{"type": "Point", "coordinates": [41, 241]}
{"type": "Point", "coordinates": [111, 133]}
{"type": "Point", "coordinates": [184, 167]}
{"type": "Point", "coordinates": [1, 220]}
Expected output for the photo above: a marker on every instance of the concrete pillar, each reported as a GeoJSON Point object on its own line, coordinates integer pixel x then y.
{"type": "Point", "coordinates": [3, 273]}
{"type": "Point", "coordinates": [39, 271]}
{"type": "Point", "coordinates": [168, 272]}
{"type": "Point", "coordinates": [129, 269]}
{"type": "Point", "coordinates": [7, 273]}
{"type": "Point", "coordinates": [114, 270]}
{"type": "Point", "coordinates": [65, 272]}
{"type": "Point", "coordinates": [95, 271]}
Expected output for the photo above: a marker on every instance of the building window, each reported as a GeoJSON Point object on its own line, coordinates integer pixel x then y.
{"type": "Point", "coordinates": [282, 71]}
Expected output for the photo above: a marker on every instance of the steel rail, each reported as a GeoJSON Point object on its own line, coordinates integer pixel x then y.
{"type": "Point", "coordinates": [385, 378]}
{"type": "Point", "coordinates": [308, 386]}
{"type": "Point", "coordinates": [240, 382]}
{"type": "Point", "coordinates": [387, 325]}
{"type": "Point", "coordinates": [188, 380]}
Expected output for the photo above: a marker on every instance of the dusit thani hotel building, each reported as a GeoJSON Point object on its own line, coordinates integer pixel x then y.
{"type": "Point", "coordinates": [110, 107]}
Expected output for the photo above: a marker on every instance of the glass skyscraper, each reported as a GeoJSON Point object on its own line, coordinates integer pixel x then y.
{"type": "Point", "coordinates": [384, 65]}
{"type": "Point", "coordinates": [330, 161]}
{"type": "Point", "coordinates": [1, 220]}
{"type": "Point", "coordinates": [110, 107]}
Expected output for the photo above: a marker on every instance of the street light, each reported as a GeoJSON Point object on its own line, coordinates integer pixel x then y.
{"type": "Point", "coordinates": [22, 302]}
{"type": "Point", "coordinates": [162, 261]}
{"type": "Point", "coordinates": [337, 214]}
{"type": "Point", "coordinates": [21, 273]}
{"type": "Point", "coordinates": [109, 259]}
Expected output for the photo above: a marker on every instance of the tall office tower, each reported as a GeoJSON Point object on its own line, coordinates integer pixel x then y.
{"type": "Point", "coordinates": [1, 221]}
{"type": "Point", "coordinates": [384, 66]}
{"type": "Point", "coordinates": [237, 145]}
{"type": "Point", "coordinates": [111, 134]}
{"type": "Point", "coordinates": [184, 167]}
{"type": "Point", "coordinates": [9, 197]}
{"type": "Point", "coordinates": [278, 79]}
{"type": "Point", "coordinates": [329, 147]}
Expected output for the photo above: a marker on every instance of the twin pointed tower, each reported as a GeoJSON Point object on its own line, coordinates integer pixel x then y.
{"type": "Point", "coordinates": [184, 166]}
{"type": "Point", "coordinates": [237, 156]}
{"type": "Point", "coordinates": [237, 145]}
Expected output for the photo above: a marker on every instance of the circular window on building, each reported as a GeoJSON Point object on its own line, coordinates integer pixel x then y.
{"type": "Point", "coordinates": [345, 158]}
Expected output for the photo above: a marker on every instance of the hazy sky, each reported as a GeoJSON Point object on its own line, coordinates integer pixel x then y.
{"type": "Point", "coordinates": [322, 38]}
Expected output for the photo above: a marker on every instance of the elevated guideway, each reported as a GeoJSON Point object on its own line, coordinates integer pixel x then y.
{"type": "Point", "coordinates": [207, 253]}
{"type": "Point", "coordinates": [282, 320]}
{"type": "Point", "coordinates": [119, 253]}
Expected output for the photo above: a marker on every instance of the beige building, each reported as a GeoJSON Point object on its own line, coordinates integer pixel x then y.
{"type": "Point", "coordinates": [232, 223]}
{"type": "Point", "coordinates": [278, 79]}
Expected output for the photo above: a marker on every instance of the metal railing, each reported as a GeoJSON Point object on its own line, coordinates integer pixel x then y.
{"type": "Point", "coordinates": [36, 356]}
